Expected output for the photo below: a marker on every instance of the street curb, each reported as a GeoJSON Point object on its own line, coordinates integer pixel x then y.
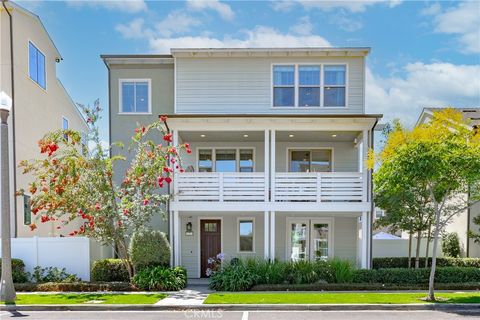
{"type": "Point", "coordinates": [249, 307]}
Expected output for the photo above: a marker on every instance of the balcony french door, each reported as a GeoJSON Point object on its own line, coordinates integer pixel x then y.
{"type": "Point", "coordinates": [309, 239]}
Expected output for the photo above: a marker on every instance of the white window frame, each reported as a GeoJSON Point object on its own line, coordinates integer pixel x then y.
{"type": "Point", "coordinates": [290, 149]}
{"type": "Point", "coordinates": [319, 86]}
{"type": "Point", "coordinates": [214, 157]}
{"type": "Point", "coordinates": [245, 219]}
{"type": "Point", "coordinates": [28, 64]}
{"type": "Point", "coordinates": [309, 221]}
{"type": "Point", "coordinates": [296, 84]}
{"type": "Point", "coordinates": [295, 87]}
{"type": "Point", "coordinates": [334, 86]}
{"type": "Point", "coordinates": [120, 100]}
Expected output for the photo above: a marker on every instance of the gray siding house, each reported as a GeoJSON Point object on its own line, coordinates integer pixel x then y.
{"type": "Point", "coordinates": [279, 138]}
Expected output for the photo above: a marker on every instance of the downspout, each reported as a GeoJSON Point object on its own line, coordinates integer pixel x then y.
{"type": "Point", "coordinates": [372, 208]}
{"type": "Point", "coordinates": [14, 155]}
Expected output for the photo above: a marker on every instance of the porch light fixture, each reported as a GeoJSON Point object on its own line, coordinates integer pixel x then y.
{"type": "Point", "coordinates": [189, 229]}
{"type": "Point", "coordinates": [245, 135]}
{"type": "Point", "coordinates": [202, 135]}
{"type": "Point", "coordinates": [334, 135]}
{"type": "Point", "coordinates": [291, 135]}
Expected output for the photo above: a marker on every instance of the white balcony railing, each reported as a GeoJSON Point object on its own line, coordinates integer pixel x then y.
{"type": "Point", "coordinates": [288, 187]}
{"type": "Point", "coordinates": [319, 187]}
{"type": "Point", "coordinates": [221, 186]}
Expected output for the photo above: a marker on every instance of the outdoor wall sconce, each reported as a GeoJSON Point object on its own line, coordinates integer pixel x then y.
{"type": "Point", "coordinates": [189, 229]}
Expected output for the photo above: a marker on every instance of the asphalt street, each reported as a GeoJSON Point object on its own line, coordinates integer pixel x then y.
{"type": "Point", "coordinates": [239, 315]}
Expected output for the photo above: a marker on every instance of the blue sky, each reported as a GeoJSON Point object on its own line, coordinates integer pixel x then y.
{"type": "Point", "coordinates": [424, 53]}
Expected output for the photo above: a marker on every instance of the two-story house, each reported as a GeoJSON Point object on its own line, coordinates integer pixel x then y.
{"type": "Point", "coordinates": [279, 138]}
{"type": "Point", "coordinates": [28, 60]}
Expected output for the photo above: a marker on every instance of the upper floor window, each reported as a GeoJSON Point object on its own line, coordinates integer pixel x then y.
{"type": "Point", "coordinates": [334, 86]}
{"type": "Point", "coordinates": [226, 160]}
{"type": "Point", "coordinates": [65, 126]}
{"type": "Point", "coordinates": [284, 86]}
{"type": "Point", "coordinates": [135, 96]}
{"type": "Point", "coordinates": [302, 85]}
{"type": "Point", "coordinates": [36, 65]}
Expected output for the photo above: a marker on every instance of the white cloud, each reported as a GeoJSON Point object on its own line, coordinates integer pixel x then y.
{"type": "Point", "coordinates": [463, 21]}
{"type": "Point", "coordinates": [260, 36]}
{"type": "Point", "coordinates": [423, 85]}
{"type": "Point", "coordinates": [176, 22]}
{"type": "Point", "coordinates": [131, 6]}
{"type": "Point", "coordinates": [345, 23]}
{"type": "Point", "coordinates": [303, 27]}
{"type": "Point", "coordinates": [134, 29]}
{"type": "Point", "coordinates": [224, 10]}
{"type": "Point", "coordinates": [434, 9]}
{"type": "Point", "coordinates": [328, 5]}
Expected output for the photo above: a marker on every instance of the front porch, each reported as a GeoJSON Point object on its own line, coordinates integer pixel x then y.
{"type": "Point", "coordinates": [269, 235]}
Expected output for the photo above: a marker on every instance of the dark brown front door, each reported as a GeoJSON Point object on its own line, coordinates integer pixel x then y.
{"type": "Point", "coordinates": [210, 242]}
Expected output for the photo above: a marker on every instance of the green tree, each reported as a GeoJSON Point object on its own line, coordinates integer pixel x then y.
{"type": "Point", "coordinates": [451, 245]}
{"type": "Point", "coordinates": [439, 162]}
{"type": "Point", "coordinates": [73, 183]}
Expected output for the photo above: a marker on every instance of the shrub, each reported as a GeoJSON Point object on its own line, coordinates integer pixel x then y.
{"type": "Point", "coordinates": [75, 286]}
{"type": "Point", "coordinates": [233, 277]}
{"type": "Point", "coordinates": [268, 272]}
{"type": "Point", "coordinates": [149, 248]}
{"type": "Point", "coordinates": [161, 279]}
{"type": "Point", "coordinates": [451, 245]}
{"type": "Point", "coordinates": [402, 262]}
{"type": "Point", "coordinates": [363, 287]}
{"type": "Point", "coordinates": [18, 271]}
{"type": "Point", "coordinates": [402, 276]}
{"type": "Point", "coordinates": [52, 274]}
{"type": "Point", "coordinates": [108, 270]}
{"type": "Point", "coordinates": [342, 270]}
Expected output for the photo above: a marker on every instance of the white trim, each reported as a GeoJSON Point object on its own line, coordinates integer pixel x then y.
{"type": "Point", "coordinates": [214, 156]}
{"type": "Point", "coordinates": [246, 219]}
{"type": "Point", "coordinates": [309, 221]}
{"type": "Point", "coordinates": [120, 101]}
{"type": "Point", "coordinates": [175, 85]}
{"type": "Point", "coordinates": [28, 64]}
{"type": "Point", "coordinates": [272, 235]}
{"type": "Point", "coordinates": [297, 85]}
{"type": "Point", "coordinates": [364, 243]}
{"type": "Point", "coordinates": [176, 238]}
{"type": "Point", "coordinates": [289, 149]}
{"type": "Point", "coordinates": [199, 218]}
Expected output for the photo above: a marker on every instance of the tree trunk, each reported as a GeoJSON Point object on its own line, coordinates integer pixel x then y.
{"type": "Point", "coordinates": [123, 254]}
{"type": "Point", "coordinates": [429, 237]}
{"type": "Point", "coordinates": [417, 253]}
{"type": "Point", "coordinates": [431, 290]}
{"type": "Point", "coordinates": [409, 248]}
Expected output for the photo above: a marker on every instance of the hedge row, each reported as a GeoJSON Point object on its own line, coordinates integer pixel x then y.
{"type": "Point", "coordinates": [75, 286]}
{"type": "Point", "coordinates": [362, 287]}
{"type": "Point", "coordinates": [402, 262]}
{"type": "Point", "coordinates": [108, 270]}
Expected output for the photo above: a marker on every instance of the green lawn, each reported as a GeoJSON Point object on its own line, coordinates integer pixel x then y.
{"type": "Point", "coordinates": [93, 298]}
{"type": "Point", "coordinates": [336, 298]}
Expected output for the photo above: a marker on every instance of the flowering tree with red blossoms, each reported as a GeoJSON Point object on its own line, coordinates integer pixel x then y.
{"type": "Point", "coordinates": [72, 183]}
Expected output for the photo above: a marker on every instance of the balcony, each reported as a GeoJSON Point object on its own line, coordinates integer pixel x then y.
{"type": "Point", "coordinates": [253, 187]}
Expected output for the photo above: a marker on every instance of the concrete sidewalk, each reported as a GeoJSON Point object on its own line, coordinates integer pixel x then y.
{"type": "Point", "coordinates": [191, 296]}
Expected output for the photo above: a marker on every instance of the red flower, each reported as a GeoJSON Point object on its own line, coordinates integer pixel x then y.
{"type": "Point", "coordinates": [33, 226]}
{"type": "Point", "coordinates": [167, 169]}
{"type": "Point", "coordinates": [44, 219]}
{"type": "Point", "coordinates": [119, 223]}
{"type": "Point", "coordinates": [182, 170]}
{"type": "Point", "coordinates": [168, 137]}
{"type": "Point", "coordinates": [186, 145]}
{"type": "Point", "coordinates": [71, 234]}
{"type": "Point", "coordinates": [160, 181]}
{"type": "Point", "coordinates": [163, 118]}
{"type": "Point", "coordinates": [125, 212]}
{"type": "Point", "coordinates": [35, 210]}
{"type": "Point", "coordinates": [145, 202]}
{"type": "Point", "coordinates": [188, 150]}
{"type": "Point", "coordinates": [58, 227]}
{"type": "Point", "coordinates": [97, 206]}
{"type": "Point", "coordinates": [168, 179]}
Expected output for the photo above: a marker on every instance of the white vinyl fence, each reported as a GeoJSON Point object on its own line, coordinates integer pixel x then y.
{"type": "Point", "coordinates": [75, 254]}
{"type": "Point", "coordinates": [399, 248]}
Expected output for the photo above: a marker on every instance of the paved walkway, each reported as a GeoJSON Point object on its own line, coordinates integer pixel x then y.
{"type": "Point", "coordinates": [192, 295]}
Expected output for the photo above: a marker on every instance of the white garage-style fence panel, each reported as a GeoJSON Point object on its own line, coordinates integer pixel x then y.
{"type": "Point", "coordinates": [75, 254]}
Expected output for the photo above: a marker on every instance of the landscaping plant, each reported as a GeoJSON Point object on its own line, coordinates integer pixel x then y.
{"type": "Point", "coordinates": [18, 271]}
{"type": "Point", "coordinates": [161, 278]}
{"type": "Point", "coordinates": [52, 274]}
{"type": "Point", "coordinates": [108, 270]}
{"type": "Point", "coordinates": [75, 183]}
{"type": "Point", "coordinates": [451, 245]}
{"type": "Point", "coordinates": [436, 163]}
{"type": "Point", "coordinates": [149, 248]}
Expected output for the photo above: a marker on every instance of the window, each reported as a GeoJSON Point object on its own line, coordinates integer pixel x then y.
{"type": "Point", "coordinates": [334, 86]}
{"type": "Point", "coordinates": [226, 160]}
{"type": "Point", "coordinates": [309, 239]}
{"type": "Point", "coordinates": [135, 96]}
{"type": "Point", "coordinates": [245, 232]}
{"type": "Point", "coordinates": [246, 160]}
{"type": "Point", "coordinates": [319, 160]}
{"type": "Point", "coordinates": [27, 211]}
{"type": "Point", "coordinates": [36, 65]}
{"type": "Point", "coordinates": [309, 86]}
{"type": "Point", "coordinates": [65, 126]}
{"type": "Point", "coordinates": [284, 86]}
{"type": "Point", "coordinates": [205, 160]}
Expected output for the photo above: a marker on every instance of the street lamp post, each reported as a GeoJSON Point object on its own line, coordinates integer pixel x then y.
{"type": "Point", "coordinates": [7, 290]}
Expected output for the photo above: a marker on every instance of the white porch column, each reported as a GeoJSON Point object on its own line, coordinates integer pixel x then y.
{"type": "Point", "coordinates": [272, 235]}
{"type": "Point", "coordinates": [266, 169]}
{"type": "Point", "coordinates": [176, 238]}
{"type": "Point", "coordinates": [174, 188]}
{"type": "Point", "coordinates": [363, 158]}
{"type": "Point", "coordinates": [170, 237]}
{"type": "Point", "coordinates": [272, 166]}
{"type": "Point", "coordinates": [364, 241]}
{"type": "Point", "coordinates": [266, 235]}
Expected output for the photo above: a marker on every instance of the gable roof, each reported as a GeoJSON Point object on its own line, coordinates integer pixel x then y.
{"type": "Point", "coordinates": [472, 114]}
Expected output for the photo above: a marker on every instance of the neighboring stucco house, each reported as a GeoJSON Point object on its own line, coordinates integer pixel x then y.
{"type": "Point", "coordinates": [464, 221]}
{"type": "Point", "coordinates": [279, 138]}
{"type": "Point", "coordinates": [40, 102]}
